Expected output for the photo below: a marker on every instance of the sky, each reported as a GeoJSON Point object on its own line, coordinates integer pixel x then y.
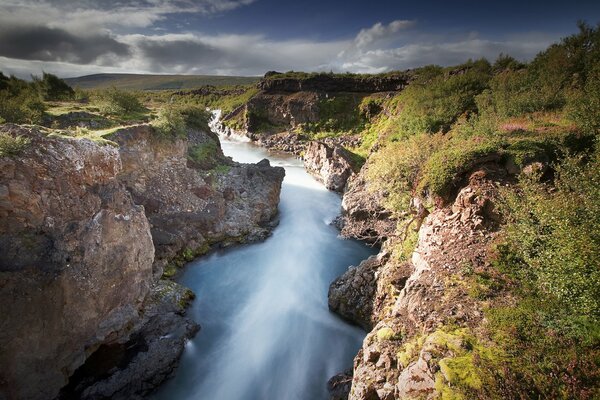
{"type": "Point", "coordinates": [250, 37]}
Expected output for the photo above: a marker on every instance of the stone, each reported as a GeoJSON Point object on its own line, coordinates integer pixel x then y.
{"type": "Point", "coordinates": [75, 260]}
{"type": "Point", "coordinates": [331, 165]}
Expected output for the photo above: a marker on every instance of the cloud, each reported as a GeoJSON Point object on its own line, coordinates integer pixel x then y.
{"type": "Point", "coordinates": [125, 36]}
{"type": "Point", "coordinates": [93, 15]}
{"type": "Point", "coordinates": [53, 44]}
{"type": "Point", "coordinates": [380, 31]}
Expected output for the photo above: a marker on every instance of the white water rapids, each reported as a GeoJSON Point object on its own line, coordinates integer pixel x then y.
{"type": "Point", "coordinates": [266, 330]}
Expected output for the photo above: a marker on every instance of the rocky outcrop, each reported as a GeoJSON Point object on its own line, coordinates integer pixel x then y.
{"type": "Point", "coordinates": [75, 260]}
{"type": "Point", "coordinates": [403, 355]}
{"type": "Point", "coordinates": [194, 197]}
{"type": "Point", "coordinates": [331, 165]}
{"type": "Point", "coordinates": [82, 305]}
{"type": "Point", "coordinates": [277, 82]}
{"type": "Point", "coordinates": [364, 215]}
{"type": "Point", "coordinates": [132, 367]}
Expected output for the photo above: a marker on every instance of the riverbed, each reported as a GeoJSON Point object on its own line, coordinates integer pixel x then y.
{"type": "Point", "coordinates": [266, 331]}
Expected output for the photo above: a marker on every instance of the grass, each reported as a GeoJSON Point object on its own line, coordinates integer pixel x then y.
{"type": "Point", "coordinates": [12, 145]}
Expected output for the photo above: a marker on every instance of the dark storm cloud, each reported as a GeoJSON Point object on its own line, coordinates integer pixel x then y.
{"type": "Point", "coordinates": [53, 44]}
{"type": "Point", "coordinates": [163, 55]}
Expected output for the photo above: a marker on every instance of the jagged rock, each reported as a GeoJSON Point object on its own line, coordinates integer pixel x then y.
{"type": "Point", "coordinates": [452, 241]}
{"type": "Point", "coordinates": [332, 165]}
{"type": "Point", "coordinates": [146, 358]}
{"type": "Point", "coordinates": [191, 205]}
{"type": "Point", "coordinates": [364, 216]}
{"type": "Point", "coordinates": [75, 260]}
{"type": "Point", "coordinates": [352, 295]}
{"type": "Point", "coordinates": [339, 385]}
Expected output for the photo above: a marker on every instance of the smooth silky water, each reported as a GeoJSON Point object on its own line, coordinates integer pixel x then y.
{"type": "Point", "coordinates": [266, 332]}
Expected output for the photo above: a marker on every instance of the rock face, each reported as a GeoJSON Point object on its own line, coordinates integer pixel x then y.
{"type": "Point", "coordinates": [410, 301]}
{"type": "Point", "coordinates": [84, 313]}
{"type": "Point", "coordinates": [276, 82]}
{"type": "Point", "coordinates": [194, 203]}
{"type": "Point", "coordinates": [331, 165]}
{"type": "Point", "coordinates": [132, 367]}
{"type": "Point", "coordinates": [363, 214]}
{"type": "Point", "coordinates": [75, 260]}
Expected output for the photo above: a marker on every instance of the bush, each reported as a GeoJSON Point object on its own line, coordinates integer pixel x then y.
{"type": "Point", "coordinates": [20, 101]}
{"type": "Point", "coordinates": [119, 102]}
{"type": "Point", "coordinates": [53, 88]}
{"type": "Point", "coordinates": [170, 122]}
{"type": "Point", "coordinates": [435, 103]}
{"type": "Point", "coordinates": [12, 145]}
{"type": "Point", "coordinates": [174, 119]}
{"type": "Point", "coordinates": [556, 238]}
{"type": "Point", "coordinates": [396, 168]}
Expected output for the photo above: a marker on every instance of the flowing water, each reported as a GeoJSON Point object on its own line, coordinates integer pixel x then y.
{"type": "Point", "coordinates": [266, 330]}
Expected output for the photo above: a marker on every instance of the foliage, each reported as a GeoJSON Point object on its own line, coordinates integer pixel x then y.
{"type": "Point", "coordinates": [170, 122]}
{"type": "Point", "coordinates": [340, 113]}
{"type": "Point", "coordinates": [558, 263]}
{"type": "Point", "coordinates": [20, 101]}
{"type": "Point", "coordinates": [118, 102]}
{"type": "Point", "coordinates": [395, 168]}
{"type": "Point", "coordinates": [53, 88]}
{"type": "Point", "coordinates": [584, 107]}
{"type": "Point", "coordinates": [175, 119]}
{"type": "Point", "coordinates": [12, 145]}
{"type": "Point", "coordinates": [435, 100]}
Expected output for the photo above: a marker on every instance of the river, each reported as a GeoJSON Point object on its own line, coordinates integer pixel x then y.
{"type": "Point", "coordinates": [266, 330]}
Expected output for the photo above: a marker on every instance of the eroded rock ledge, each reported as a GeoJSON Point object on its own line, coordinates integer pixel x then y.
{"type": "Point", "coordinates": [82, 305]}
{"type": "Point", "coordinates": [405, 304]}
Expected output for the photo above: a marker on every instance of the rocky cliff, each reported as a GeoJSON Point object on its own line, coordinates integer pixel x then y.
{"type": "Point", "coordinates": [331, 165]}
{"type": "Point", "coordinates": [419, 312]}
{"type": "Point", "coordinates": [281, 82]}
{"type": "Point", "coordinates": [75, 260]}
{"type": "Point", "coordinates": [195, 197]}
{"type": "Point", "coordinates": [87, 231]}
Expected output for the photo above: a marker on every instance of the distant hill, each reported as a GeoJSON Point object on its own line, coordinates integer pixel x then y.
{"type": "Point", "coordinates": [156, 82]}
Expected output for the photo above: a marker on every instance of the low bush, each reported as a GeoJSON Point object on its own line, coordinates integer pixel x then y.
{"type": "Point", "coordinates": [12, 145]}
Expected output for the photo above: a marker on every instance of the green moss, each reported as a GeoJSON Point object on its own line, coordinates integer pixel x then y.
{"type": "Point", "coordinates": [387, 334]}
{"type": "Point", "coordinates": [461, 371]}
{"type": "Point", "coordinates": [184, 256]}
{"type": "Point", "coordinates": [410, 351]}
{"type": "Point", "coordinates": [203, 153]}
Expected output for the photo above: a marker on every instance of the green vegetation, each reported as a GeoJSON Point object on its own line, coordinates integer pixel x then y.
{"type": "Point", "coordinates": [12, 145]}
{"type": "Point", "coordinates": [53, 88]}
{"type": "Point", "coordinates": [340, 114]}
{"type": "Point", "coordinates": [175, 119]}
{"type": "Point", "coordinates": [272, 75]}
{"type": "Point", "coordinates": [120, 103]}
{"type": "Point", "coordinates": [21, 102]}
{"type": "Point", "coordinates": [541, 336]}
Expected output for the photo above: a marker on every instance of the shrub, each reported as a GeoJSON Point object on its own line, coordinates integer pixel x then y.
{"type": "Point", "coordinates": [584, 107]}
{"type": "Point", "coordinates": [20, 101]}
{"type": "Point", "coordinates": [170, 122]}
{"type": "Point", "coordinates": [435, 103]}
{"type": "Point", "coordinates": [556, 238]}
{"type": "Point", "coordinates": [396, 168]}
{"type": "Point", "coordinates": [53, 88]}
{"type": "Point", "coordinates": [119, 102]}
{"type": "Point", "coordinates": [12, 145]}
